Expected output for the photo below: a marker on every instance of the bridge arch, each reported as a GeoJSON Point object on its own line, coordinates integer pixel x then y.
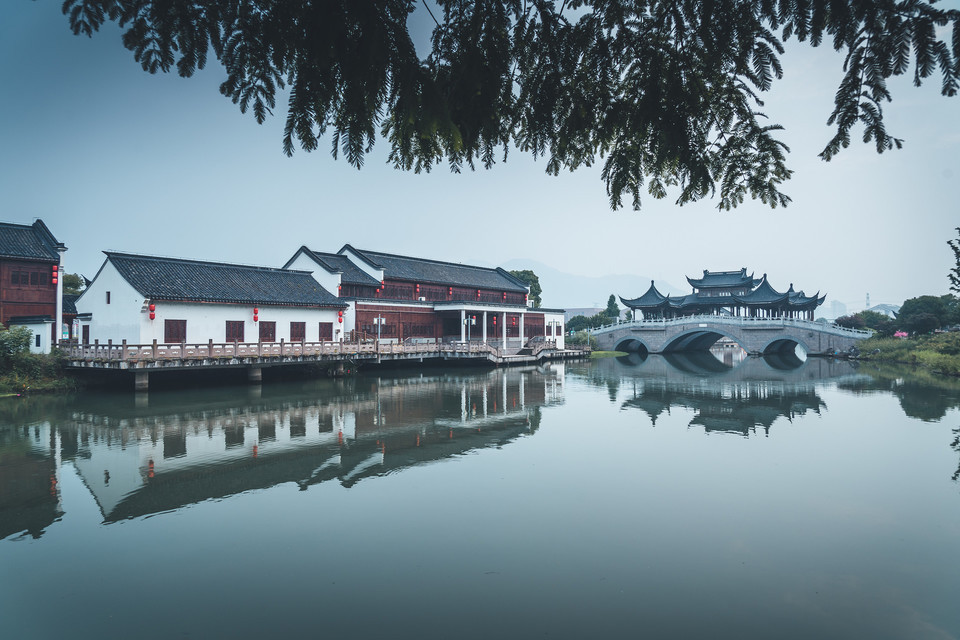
{"type": "Point", "coordinates": [696, 340]}
{"type": "Point", "coordinates": [784, 346]}
{"type": "Point", "coordinates": [632, 345]}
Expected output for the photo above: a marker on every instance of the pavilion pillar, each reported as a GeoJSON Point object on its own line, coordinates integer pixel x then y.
{"type": "Point", "coordinates": [521, 328]}
{"type": "Point", "coordinates": [504, 325]}
{"type": "Point", "coordinates": [463, 325]}
{"type": "Point", "coordinates": [484, 327]}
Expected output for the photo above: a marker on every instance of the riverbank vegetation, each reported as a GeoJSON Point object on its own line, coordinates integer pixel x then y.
{"type": "Point", "coordinates": [937, 353]}
{"type": "Point", "coordinates": [24, 372]}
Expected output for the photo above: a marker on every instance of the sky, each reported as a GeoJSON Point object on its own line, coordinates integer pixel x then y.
{"type": "Point", "coordinates": [112, 158]}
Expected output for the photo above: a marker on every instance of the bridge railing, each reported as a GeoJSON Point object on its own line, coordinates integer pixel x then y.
{"type": "Point", "coordinates": [736, 321]}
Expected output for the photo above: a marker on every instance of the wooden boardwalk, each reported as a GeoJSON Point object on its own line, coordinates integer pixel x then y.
{"type": "Point", "coordinates": [141, 359]}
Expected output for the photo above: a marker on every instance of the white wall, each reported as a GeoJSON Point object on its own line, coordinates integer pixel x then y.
{"type": "Point", "coordinates": [41, 330]}
{"type": "Point", "coordinates": [555, 317]}
{"type": "Point", "coordinates": [327, 280]}
{"type": "Point", "coordinates": [121, 319]}
{"type": "Point", "coordinates": [208, 321]}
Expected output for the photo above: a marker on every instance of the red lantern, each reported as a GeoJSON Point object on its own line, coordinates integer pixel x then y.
{"type": "Point", "coordinates": [449, 291]}
{"type": "Point", "coordinates": [153, 316]}
{"type": "Point", "coordinates": [478, 294]}
{"type": "Point", "coordinates": [256, 314]}
{"type": "Point", "coordinates": [418, 288]}
{"type": "Point", "coordinates": [494, 320]}
{"type": "Point", "coordinates": [54, 274]}
{"type": "Point", "coordinates": [340, 315]}
{"type": "Point", "coordinates": [504, 295]}
{"type": "Point", "coordinates": [153, 307]}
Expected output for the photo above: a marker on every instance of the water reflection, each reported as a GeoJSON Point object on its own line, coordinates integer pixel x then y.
{"type": "Point", "coordinates": [726, 399]}
{"type": "Point", "coordinates": [147, 454]}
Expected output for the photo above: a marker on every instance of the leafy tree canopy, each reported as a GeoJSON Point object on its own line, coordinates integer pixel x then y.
{"type": "Point", "coordinates": [532, 281]}
{"type": "Point", "coordinates": [944, 308]}
{"type": "Point", "coordinates": [612, 310]}
{"type": "Point", "coordinates": [665, 92]}
{"type": "Point", "coordinates": [73, 283]}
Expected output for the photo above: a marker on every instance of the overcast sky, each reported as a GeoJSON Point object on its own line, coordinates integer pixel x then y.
{"type": "Point", "coordinates": [112, 158]}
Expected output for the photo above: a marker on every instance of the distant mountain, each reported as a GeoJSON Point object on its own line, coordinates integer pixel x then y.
{"type": "Point", "coordinates": [563, 290]}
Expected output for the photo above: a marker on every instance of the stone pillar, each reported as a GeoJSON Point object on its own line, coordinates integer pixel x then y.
{"type": "Point", "coordinates": [484, 327]}
{"type": "Point", "coordinates": [504, 325]}
{"type": "Point", "coordinates": [463, 325]}
{"type": "Point", "coordinates": [254, 375]}
{"type": "Point", "coordinates": [141, 381]}
{"type": "Point", "coordinates": [522, 316]}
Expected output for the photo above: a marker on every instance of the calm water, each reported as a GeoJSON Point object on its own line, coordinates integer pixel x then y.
{"type": "Point", "coordinates": [678, 497]}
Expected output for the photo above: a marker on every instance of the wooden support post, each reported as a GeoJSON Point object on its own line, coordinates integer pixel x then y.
{"type": "Point", "coordinates": [141, 381]}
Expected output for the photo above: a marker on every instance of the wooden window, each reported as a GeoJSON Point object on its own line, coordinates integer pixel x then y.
{"type": "Point", "coordinates": [298, 331]}
{"type": "Point", "coordinates": [174, 331]}
{"type": "Point", "coordinates": [24, 278]}
{"type": "Point", "coordinates": [14, 277]}
{"type": "Point", "coordinates": [34, 278]}
{"type": "Point", "coordinates": [44, 278]}
{"type": "Point", "coordinates": [326, 331]}
{"type": "Point", "coordinates": [268, 331]}
{"type": "Point", "coordinates": [234, 330]}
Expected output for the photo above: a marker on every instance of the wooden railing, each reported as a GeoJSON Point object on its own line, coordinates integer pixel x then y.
{"type": "Point", "coordinates": [155, 351]}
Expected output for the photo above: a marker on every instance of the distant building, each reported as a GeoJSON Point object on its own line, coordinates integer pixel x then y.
{"type": "Point", "coordinates": [889, 310]}
{"type": "Point", "coordinates": [731, 293]}
{"type": "Point", "coordinates": [30, 283]}
{"type": "Point", "coordinates": [837, 309]}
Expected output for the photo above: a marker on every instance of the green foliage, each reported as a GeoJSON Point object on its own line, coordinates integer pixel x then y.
{"type": "Point", "coordinates": [939, 353]}
{"type": "Point", "coordinates": [666, 92]}
{"type": "Point", "coordinates": [14, 341]}
{"type": "Point", "coordinates": [613, 310]}
{"type": "Point", "coordinates": [532, 281]}
{"type": "Point", "coordinates": [581, 339]}
{"type": "Point", "coordinates": [73, 283]}
{"type": "Point", "coordinates": [915, 313]}
{"type": "Point", "coordinates": [880, 323]}
{"type": "Point", "coordinates": [851, 322]}
{"type": "Point", "coordinates": [954, 275]}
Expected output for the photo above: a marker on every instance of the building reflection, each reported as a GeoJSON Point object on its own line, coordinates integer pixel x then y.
{"type": "Point", "coordinates": [725, 399]}
{"type": "Point", "coordinates": [140, 456]}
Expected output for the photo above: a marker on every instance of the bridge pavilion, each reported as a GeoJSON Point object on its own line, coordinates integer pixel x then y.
{"type": "Point", "coordinates": [732, 293]}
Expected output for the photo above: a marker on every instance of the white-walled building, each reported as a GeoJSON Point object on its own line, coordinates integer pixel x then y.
{"type": "Point", "coordinates": [396, 298]}
{"type": "Point", "coordinates": [141, 298]}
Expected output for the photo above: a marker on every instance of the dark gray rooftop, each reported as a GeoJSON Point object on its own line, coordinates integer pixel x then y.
{"type": "Point", "coordinates": [712, 279]}
{"type": "Point", "coordinates": [764, 294]}
{"type": "Point", "coordinates": [350, 273]}
{"type": "Point", "coordinates": [652, 298]}
{"type": "Point", "coordinates": [161, 278]}
{"type": "Point", "coordinates": [30, 242]}
{"type": "Point", "coordinates": [70, 302]}
{"type": "Point", "coordinates": [437, 272]}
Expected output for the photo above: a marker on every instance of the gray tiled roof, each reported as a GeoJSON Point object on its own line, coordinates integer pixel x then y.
{"type": "Point", "coordinates": [351, 273]}
{"type": "Point", "coordinates": [652, 298]}
{"type": "Point", "coordinates": [191, 280]}
{"type": "Point", "coordinates": [723, 279]}
{"type": "Point", "coordinates": [31, 242]}
{"type": "Point", "coordinates": [70, 302]}
{"type": "Point", "coordinates": [446, 273]}
{"type": "Point", "coordinates": [764, 294]}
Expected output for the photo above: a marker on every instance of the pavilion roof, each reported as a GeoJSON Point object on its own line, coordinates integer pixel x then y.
{"type": "Point", "coordinates": [161, 278]}
{"type": "Point", "coordinates": [762, 295]}
{"type": "Point", "coordinates": [723, 279]}
{"type": "Point", "coordinates": [651, 299]}
{"type": "Point", "coordinates": [438, 272]}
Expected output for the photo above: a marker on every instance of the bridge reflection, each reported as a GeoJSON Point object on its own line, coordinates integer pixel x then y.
{"type": "Point", "coordinates": [144, 456]}
{"type": "Point", "coordinates": [729, 399]}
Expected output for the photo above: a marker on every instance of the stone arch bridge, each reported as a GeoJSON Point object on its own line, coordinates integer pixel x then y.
{"type": "Point", "coordinates": [756, 335]}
